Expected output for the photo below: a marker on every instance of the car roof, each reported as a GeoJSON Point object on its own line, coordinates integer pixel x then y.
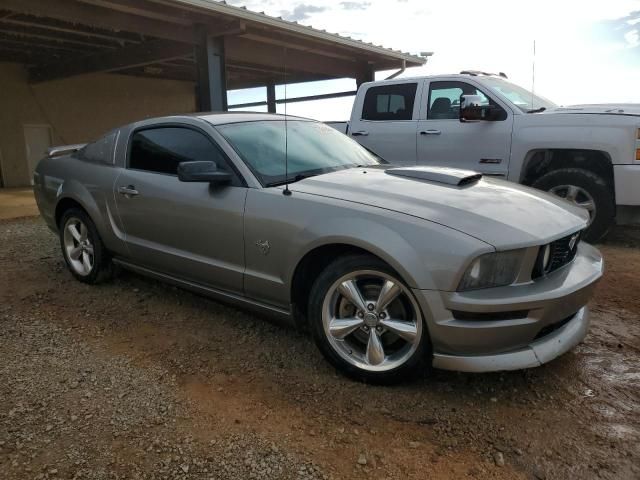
{"type": "Point", "coordinates": [436, 77]}
{"type": "Point", "coordinates": [223, 118]}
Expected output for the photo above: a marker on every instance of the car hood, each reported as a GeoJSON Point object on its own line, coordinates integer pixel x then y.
{"type": "Point", "coordinates": [503, 214]}
{"type": "Point", "coordinates": [632, 109]}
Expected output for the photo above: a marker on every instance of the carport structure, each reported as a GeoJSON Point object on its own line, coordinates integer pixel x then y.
{"type": "Point", "coordinates": [215, 45]}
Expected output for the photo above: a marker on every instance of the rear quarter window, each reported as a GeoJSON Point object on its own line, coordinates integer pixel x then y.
{"type": "Point", "coordinates": [390, 102]}
{"type": "Point", "coordinates": [100, 151]}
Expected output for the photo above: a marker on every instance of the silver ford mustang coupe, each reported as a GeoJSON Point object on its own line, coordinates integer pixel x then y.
{"type": "Point", "coordinates": [391, 269]}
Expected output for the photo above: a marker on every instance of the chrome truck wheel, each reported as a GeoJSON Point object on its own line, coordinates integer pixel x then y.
{"type": "Point", "coordinates": [578, 196]}
{"type": "Point", "coordinates": [370, 325]}
{"type": "Point", "coordinates": [585, 189]}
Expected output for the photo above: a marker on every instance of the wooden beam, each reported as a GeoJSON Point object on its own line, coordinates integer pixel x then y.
{"type": "Point", "coordinates": [68, 28]}
{"type": "Point", "coordinates": [150, 72]}
{"type": "Point", "coordinates": [240, 49]}
{"type": "Point", "coordinates": [60, 39]}
{"type": "Point", "coordinates": [145, 9]}
{"type": "Point", "coordinates": [100, 17]}
{"type": "Point", "coordinates": [113, 60]}
{"type": "Point", "coordinates": [28, 43]}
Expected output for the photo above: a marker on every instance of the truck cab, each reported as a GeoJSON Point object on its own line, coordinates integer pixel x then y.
{"type": "Point", "coordinates": [588, 154]}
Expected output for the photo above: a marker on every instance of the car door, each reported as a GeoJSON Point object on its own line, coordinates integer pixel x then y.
{"type": "Point", "coordinates": [193, 231]}
{"type": "Point", "coordinates": [443, 140]}
{"type": "Point", "coordinates": [387, 125]}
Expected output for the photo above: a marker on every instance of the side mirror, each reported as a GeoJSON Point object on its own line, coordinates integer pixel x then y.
{"type": "Point", "coordinates": [202, 172]}
{"type": "Point", "coordinates": [472, 110]}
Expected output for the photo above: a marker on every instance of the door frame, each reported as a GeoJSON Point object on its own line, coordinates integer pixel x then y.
{"type": "Point", "coordinates": [26, 145]}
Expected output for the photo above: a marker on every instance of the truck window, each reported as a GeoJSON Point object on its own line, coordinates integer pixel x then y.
{"type": "Point", "coordinates": [444, 99]}
{"type": "Point", "coordinates": [390, 102]}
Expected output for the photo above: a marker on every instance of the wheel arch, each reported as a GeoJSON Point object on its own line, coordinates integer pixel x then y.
{"type": "Point", "coordinates": [73, 194]}
{"type": "Point", "coordinates": [316, 259]}
{"type": "Point", "coordinates": [538, 162]}
{"type": "Point", "coordinates": [64, 204]}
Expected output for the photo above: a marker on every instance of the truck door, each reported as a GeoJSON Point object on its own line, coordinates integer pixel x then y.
{"type": "Point", "coordinates": [443, 140]}
{"type": "Point", "coordinates": [385, 120]}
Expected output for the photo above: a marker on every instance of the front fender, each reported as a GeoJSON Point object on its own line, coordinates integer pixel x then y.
{"type": "Point", "coordinates": [380, 240]}
{"type": "Point", "coordinates": [613, 137]}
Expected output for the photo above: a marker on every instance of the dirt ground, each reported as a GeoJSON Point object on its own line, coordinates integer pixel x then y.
{"type": "Point", "coordinates": [135, 379]}
{"type": "Point", "coordinates": [17, 202]}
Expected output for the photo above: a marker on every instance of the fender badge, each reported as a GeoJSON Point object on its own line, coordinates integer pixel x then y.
{"type": "Point", "coordinates": [263, 246]}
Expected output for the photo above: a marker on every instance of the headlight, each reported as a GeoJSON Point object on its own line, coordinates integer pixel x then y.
{"type": "Point", "coordinates": [492, 270]}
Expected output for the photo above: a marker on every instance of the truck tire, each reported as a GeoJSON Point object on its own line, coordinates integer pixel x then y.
{"type": "Point", "coordinates": [586, 189]}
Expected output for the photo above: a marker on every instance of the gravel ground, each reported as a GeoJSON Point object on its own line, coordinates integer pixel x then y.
{"type": "Point", "coordinates": [136, 379]}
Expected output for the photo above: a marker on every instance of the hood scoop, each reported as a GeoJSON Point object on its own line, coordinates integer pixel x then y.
{"type": "Point", "coordinates": [448, 176]}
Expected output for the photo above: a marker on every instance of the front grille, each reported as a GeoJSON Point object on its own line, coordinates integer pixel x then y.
{"type": "Point", "coordinates": [549, 329]}
{"type": "Point", "coordinates": [487, 317]}
{"type": "Point", "coordinates": [562, 252]}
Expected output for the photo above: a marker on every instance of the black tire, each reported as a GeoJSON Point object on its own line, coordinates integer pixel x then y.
{"type": "Point", "coordinates": [595, 186]}
{"type": "Point", "coordinates": [102, 268]}
{"type": "Point", "coordinates": [418, 363]}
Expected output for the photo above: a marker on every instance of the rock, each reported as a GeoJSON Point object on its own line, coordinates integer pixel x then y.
{"type": "Point", "coordinates": [498, 457]}
{"type": "Point", "coordinates": [362, 459]}
{"type": "Point", "coordinates": [414, 444]}
{"type": "Point", "coordinates": [184, 468]}
{"type": "Point", "coordinates": [494, 399]}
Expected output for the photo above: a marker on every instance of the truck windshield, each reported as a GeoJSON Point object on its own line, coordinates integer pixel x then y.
{"type": "Point", "coordinates": [520, 97]}
{"type": "Point", "coordinates": [313, 148]}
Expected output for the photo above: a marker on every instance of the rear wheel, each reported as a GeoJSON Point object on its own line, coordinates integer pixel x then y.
{"type": "Point", "coordinates": [82, 249]}
{"type": "Point", "coordinates": [584, 189]}
{"type": "Point", "coordinates": [366, 321]}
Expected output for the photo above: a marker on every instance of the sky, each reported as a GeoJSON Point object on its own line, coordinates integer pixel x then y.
{"type": "Point", "coordinates": [585, 51]}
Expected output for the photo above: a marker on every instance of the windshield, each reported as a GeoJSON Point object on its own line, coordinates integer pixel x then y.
{"type": "Point", "coordinates": [520, 97]}
{"type": "Point", "coordinates": [313, 148]}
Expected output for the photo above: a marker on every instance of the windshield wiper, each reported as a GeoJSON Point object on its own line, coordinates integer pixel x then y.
{"type": "Point", "coordinates": [297, 178]}
{"type": "Point", "coordinates": [537, 110]}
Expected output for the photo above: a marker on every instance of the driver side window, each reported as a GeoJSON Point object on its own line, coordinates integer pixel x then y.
{"type": "Point", "coordinates": [161, 149]}
{"type": "Point", "coordinates": [444, 99]}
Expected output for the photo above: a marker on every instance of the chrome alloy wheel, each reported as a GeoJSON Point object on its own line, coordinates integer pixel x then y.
{"type": "Point", "coordinates": [77, 246]}
{"type": "Point", "coordinates": [578, 196]}
{"type": "Point", "coordinates": [371, 320]}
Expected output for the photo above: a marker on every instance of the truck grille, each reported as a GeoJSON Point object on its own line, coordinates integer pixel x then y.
{"type": "Point", "coordinates": [562, 252]}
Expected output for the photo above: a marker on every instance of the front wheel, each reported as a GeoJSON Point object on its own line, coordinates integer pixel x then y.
{"type": "Point", "coordinates": [366, 321]}
{"type": "Point", "coordinates": [584, 189]}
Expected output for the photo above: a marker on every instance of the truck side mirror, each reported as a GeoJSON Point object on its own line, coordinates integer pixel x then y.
{"type": "Point", "coordinates": [472, 110]}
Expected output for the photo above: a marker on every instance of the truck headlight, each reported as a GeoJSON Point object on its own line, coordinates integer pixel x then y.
{"type": "Point", "coordinates": [492, 270]}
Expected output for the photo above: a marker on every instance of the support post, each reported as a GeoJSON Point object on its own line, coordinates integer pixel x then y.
{"type": "Point", "coordinates": [366, 74]}
{"type": "Point", "coordinates": [271, 97]}
{"type": "Point", "coordinates": [211, 85]}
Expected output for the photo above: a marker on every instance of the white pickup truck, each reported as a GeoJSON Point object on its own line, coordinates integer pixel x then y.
{"type": "Point", "coordinates": [588, 154]}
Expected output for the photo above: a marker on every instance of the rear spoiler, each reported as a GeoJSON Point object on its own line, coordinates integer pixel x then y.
{"type": "Point", "coordinates": [64, 150]}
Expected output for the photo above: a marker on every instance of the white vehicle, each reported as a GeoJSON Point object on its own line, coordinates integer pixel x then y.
{"type": "Point", "coordinates": [588, 154]}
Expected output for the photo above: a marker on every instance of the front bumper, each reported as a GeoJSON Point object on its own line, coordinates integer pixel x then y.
{"type": "Point", "coordinates": [533, 355]}
{"type": "Point", "coordinates": [512, 327]}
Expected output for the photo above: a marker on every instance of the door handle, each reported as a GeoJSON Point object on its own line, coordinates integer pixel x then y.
{"type": "Point", "coordinates": [430, 132]}
{"type": "Point", "coordinates": [128, 191]}
{"type": "Point", "coordinates": [361, 133]}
